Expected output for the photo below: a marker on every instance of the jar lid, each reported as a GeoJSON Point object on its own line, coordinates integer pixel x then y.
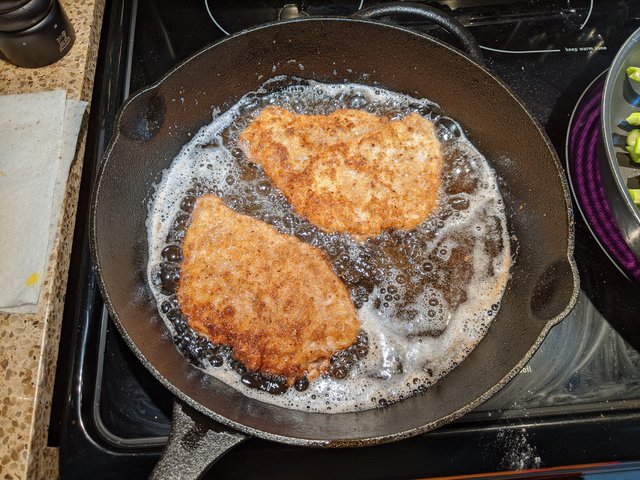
{"type": "Point", "coordinates": [17, 15]}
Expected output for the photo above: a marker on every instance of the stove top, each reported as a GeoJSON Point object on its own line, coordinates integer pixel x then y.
{"type": "Point", "coordinates": [111, 417]}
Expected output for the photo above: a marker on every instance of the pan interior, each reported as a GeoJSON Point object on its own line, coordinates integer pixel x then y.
{"type": "Point", "coordinates": [425, 296]}
{"type": "Point", "coordinates": [156, 123]}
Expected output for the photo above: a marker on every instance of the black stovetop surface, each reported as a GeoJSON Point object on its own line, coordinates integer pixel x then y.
{"type": "Point", "coordinates": [576, 402]}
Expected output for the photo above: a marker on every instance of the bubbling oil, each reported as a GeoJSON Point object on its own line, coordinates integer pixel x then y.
{"type": "Point", "coordinates": [425, 297]}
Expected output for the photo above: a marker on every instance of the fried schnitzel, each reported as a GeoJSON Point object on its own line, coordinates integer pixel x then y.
{"type": "Point", "coordinates": [274, 299]}
{"type": "Point", "coordinates": [350, 171]}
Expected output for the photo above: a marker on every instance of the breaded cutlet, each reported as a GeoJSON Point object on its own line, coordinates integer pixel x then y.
{"type": "Point", "coordinates": [274, 299]}
{"type": "Point", "coordinates": [350, 171]}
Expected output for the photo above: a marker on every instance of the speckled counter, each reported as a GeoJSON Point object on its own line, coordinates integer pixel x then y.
{"type": "Point", "coordinates": [29, 343]}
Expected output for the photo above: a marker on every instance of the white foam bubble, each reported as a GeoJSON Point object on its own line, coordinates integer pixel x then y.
{"type": "Point", "coordinates": [423, 313]}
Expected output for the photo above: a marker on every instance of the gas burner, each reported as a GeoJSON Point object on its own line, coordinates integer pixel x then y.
{"type": "Point", "coordinates": [231, 16]}
{"type": "Point", "coordinates": [584, 175]}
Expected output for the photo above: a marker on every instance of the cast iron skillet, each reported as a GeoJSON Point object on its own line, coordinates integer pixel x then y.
{"type": "Point", "coordinates": [619, 99]}
{"type": "Point", "coordinates": [156, 122]}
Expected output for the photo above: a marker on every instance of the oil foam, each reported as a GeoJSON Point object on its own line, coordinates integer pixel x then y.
{"type": "Point", "coordinates": [425, 297]}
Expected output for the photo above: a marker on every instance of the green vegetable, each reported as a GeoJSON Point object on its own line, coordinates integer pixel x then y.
{"type": "Point", "coordinates": [633, 145]}
{"type": "Point", "coordinates": [635, 195]}
{"type": "Point", "coordinates": [634, 152]}
{"type": "Point", "coordinates": [633, 137]}
{"type": "Point", "coordinates": [634, 73]}
{"type": "Point", "coordinates": [634, 119]}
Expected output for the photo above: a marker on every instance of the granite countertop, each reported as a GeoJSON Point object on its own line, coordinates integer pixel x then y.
{"type": "Point", "coordinates": [29, 343]}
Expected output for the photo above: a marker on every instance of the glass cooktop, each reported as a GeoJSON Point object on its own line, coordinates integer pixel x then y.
{"type": "Point", "coordinates": [584, 382]}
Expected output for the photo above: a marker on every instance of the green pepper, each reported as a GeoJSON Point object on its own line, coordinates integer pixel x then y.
{"type": "Point", "coordinates": [634, 152]}
{"type": "Point", "coordinates": [633, 145]}
{"type": "Point", "coordinates": [633, 137]}
{"type": "Point", "coordinates": [635, 195]}
{"type": "Point", "coordinates": [634, 119]}
{"type": "Point", "coordinates": [634, 73]}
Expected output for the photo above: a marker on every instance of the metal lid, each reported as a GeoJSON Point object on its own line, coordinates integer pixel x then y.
{"type": "Point", "coordinates": [17, 15]}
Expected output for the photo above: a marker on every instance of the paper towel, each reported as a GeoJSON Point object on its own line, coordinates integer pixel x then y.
{"type": "Point", "coordinates": [38, 136]}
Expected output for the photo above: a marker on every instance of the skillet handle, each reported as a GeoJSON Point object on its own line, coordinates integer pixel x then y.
{"type": "Point", "coordinates": [195, 443]}
{"type": "Point", "coordinates": [440, 18]}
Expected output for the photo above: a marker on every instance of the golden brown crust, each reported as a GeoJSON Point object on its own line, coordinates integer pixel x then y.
{"type": "Point", "coordinates": [350, 171]}
{"type": "Point", "coordinates": [274, 299]}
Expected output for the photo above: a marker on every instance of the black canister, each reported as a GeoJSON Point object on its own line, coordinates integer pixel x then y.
{"type": "Point", "coordinates": [34, 33]}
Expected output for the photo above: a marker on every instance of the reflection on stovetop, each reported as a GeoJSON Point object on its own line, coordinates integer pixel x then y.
{"type": "Point", "coordinates": [547, 52]}
{"type": "Point", "coordinates": [231, 16]}
{"type": "Point", "coordinates": [582, 363]}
